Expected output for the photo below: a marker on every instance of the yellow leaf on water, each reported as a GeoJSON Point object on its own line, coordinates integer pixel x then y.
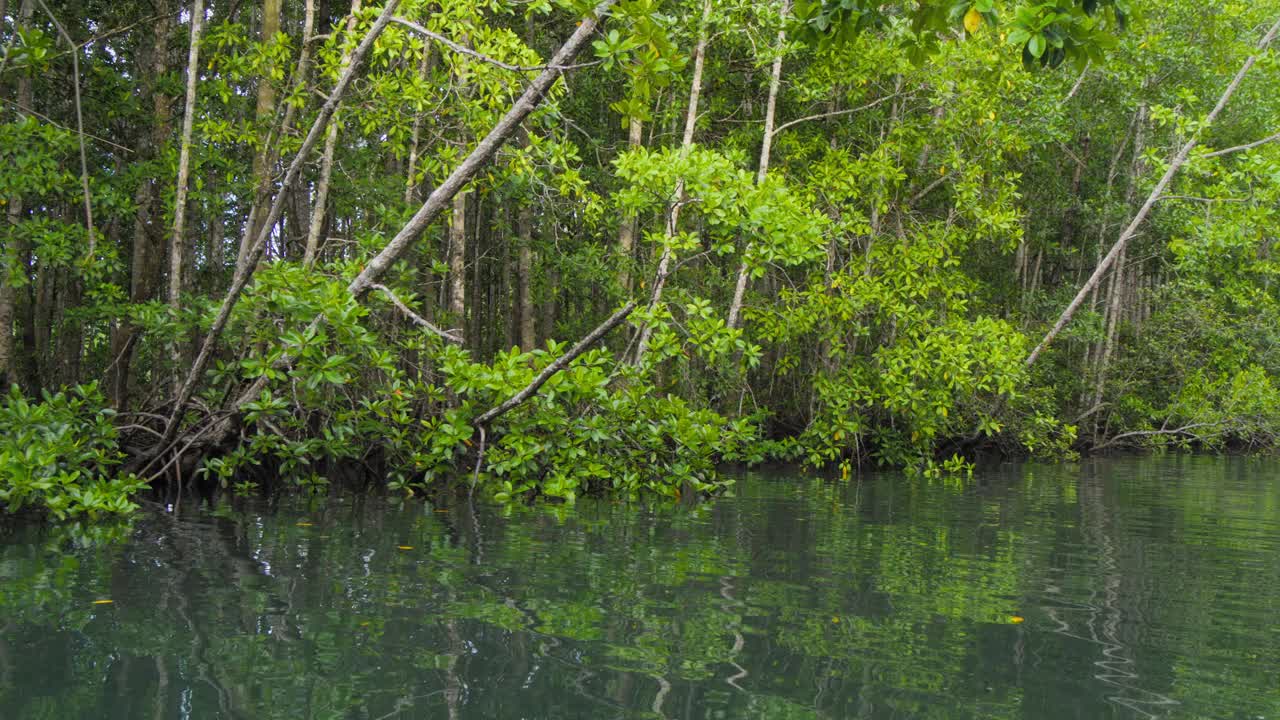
{"type": "Point", "coordinates": [972, 20]}
{"type": "Point", "coordinates": [1016, 619]}
{"type": "Point", "coordinates": [304, 524]}
{"type": "Point", "coordinates": [103, 602]}
{"type": "Point", "coordinates": [405, 547]}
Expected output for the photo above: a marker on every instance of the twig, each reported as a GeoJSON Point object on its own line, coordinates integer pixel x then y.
{"type": "Point", "coordinates": [928, 189]}
{"type": "Point", "coordinates": [1184, 430]}
{"type": "Point", "coordinates": [1193, 198]}
{"type": "Point", "coordinates": [1240, 148]}
{"type": "Point", "coordinates": [84, 163]}
{"type": "Point", "coordinates": [416, 318]}
{"type": "Point", "coordinates": [834, 113]}
{"type": "Point", "coordinates": [1076, 88]}
{"type": "Point", "coordinates": [57, 124]}
{"type": "Point", "coordinates": [561, 363]}
{"type": "Point", "coordinates": [464, 50]}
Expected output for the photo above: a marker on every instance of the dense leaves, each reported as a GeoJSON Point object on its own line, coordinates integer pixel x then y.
{"type": "Point", "coordinates": [876, 209]}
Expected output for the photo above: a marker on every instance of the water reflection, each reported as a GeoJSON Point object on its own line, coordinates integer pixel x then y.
{"type": "Point", "coordinates": [1117, 589]}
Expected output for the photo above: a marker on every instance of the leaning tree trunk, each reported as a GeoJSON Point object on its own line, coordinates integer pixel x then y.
{"type": "Point", "coordinates": [1178, 161]}
{"type": "Point", "coordinates": [431, 209]}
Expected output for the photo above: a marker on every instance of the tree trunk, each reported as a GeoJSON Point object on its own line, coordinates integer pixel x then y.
{"type": "Point", "coordinates": [1071, 217]}
{"type": "Point", "coordinates": [457, 258]}
{"type": "Point", "coordinates": [398, 245]}
{"type": "Point", "coordinates": [524, 275]}
{"type": "Point", "coordinates": [264, 112]}
{"type": "Point", "coordinates": [1137, 169]}
{"type": "Point", "coordinates": [411, 173]}
{"type": "Point", "coordinates": [686, 142]}
{"type": "Point", "coordinates": [627, 229]}
{"type": "Point", "coordinates": [147, 243]}
{"type": "Point", "coordinates": [14, 255]}
{"type": "Point", "coordinates": [766, 149]}
{"type": "Point", "coordinates": [177, 243]}
{"type": "Point", "coordinates": [244, 271]}
{"type": "Point", "coordinates": [326, 163]}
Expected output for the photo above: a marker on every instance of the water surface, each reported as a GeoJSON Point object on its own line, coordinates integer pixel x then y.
{"type": "Point", "coordinates": [1142, 588]}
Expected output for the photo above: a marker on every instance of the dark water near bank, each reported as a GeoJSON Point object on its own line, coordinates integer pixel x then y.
{"type": "Point", "coordinates": [1119, 589]}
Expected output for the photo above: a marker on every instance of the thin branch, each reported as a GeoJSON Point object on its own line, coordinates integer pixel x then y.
{"type": "Point", "coordinates": [84, 163]}
{"type": "Point", "coordinates": [57, 124]}
{"type": "Point", "coordinates": [1240, 148]}
{"type": "Point", "coordinates": [1192, 198]}
{"type": "Point", "coordinates": [1076, 88]}
{"type": "Point", "coordinates": [416, 318]}
{"type": "Point", "coordinates": [561, 363]}
{"type": "Point", "coordinates": [1184, 430]}
{"type": "Point", "coordinates": [928, 189]}
{"type": "Point", "coordinates": [835, 113]}
{"type": "Point", "coordinates": [464, 50]}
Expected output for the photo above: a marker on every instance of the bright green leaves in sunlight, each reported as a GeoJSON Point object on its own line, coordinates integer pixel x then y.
{"type": "Point", "coordinates": [1047, 32]}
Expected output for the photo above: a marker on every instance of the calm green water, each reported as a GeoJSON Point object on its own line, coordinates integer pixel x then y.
{"type": "Point", "coordinates": [1117, 589]}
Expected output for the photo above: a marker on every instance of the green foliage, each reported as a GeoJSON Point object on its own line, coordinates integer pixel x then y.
{"type": "Point", "coordinates": [927, 210]}
{"type": "Point", "coordinates": [1045, 33]}
{"type": "Point", "coordinates": [57, 456]}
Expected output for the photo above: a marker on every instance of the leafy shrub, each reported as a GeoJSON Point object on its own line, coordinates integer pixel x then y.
{"type": "Point", "coordinates": [57, 456]}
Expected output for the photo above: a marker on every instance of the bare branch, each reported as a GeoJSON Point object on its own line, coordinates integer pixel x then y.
{"type": "Point", "coordinates": [1193, 198]}
{"type": "Point", "coordinates": [55, 123]}
{"type": "Point", "coordinates": [834, 113]}
{"type": "Point", "coordinates": [561, 363]}
{"type": "Point", "coordinates": [1076, 88]}
{"type": "Point", "coordinates": [1241, 148]}
{"type": "Point", "coordinates": [1184, 430]}
{"type": "Point", "coordinates": [416, 318]}
{"type": "Point", "coordinates": [464, 50]}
